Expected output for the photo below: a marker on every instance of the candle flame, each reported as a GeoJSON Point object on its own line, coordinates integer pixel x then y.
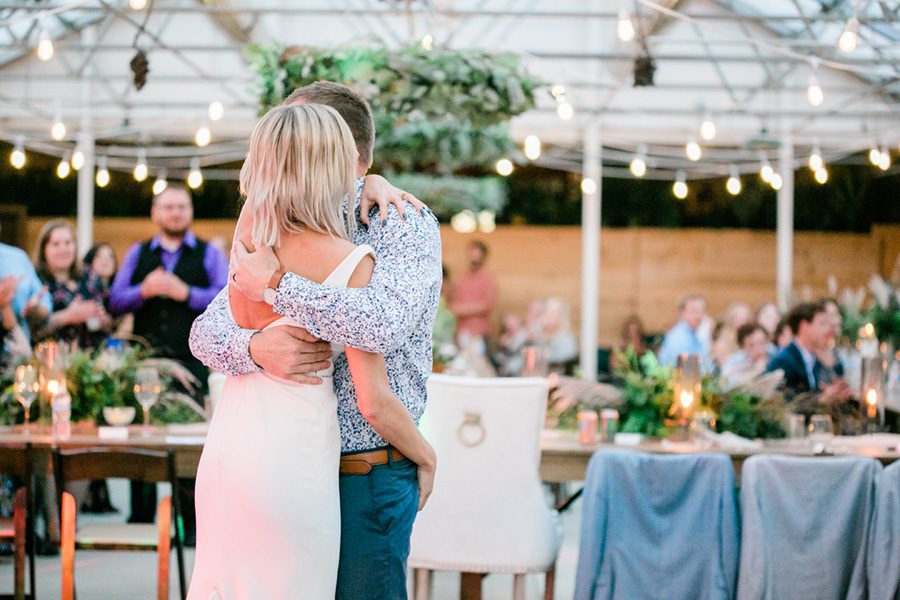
{"type": "Point", "coordinates": [53, 387]}
{"type": "Point", "coordinates": [871, 397]}
{"type": "Point", "coordinates": [686, 399]}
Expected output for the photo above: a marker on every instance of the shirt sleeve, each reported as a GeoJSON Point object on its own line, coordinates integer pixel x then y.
{"type": "Point", "coordinates": [217, 273]}
{"type": "Point", "coordinates": [124, 297]}
{"type": "Point", "coordinates": [218, 342]}
{"type": "Point", "coordinates": [379, 317]}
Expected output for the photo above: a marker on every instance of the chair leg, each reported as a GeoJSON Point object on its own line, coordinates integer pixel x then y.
{"type": "Point", "coordinates": [470, 586]}
{"type": "Point", "coordinates": [20, 527]}
{"type": "Point", "coordinates": [550, 583]}
{"type": "Point", "coordinates": [31, 536]}
{"type": "Point", "coordinates": [163, 545]}
{"type": "Point", "coordinates": [421, 584]}
{"type": "Point", "coordinates": [67, 539]}
{"type": "Point", "coordinates": [519, 586]}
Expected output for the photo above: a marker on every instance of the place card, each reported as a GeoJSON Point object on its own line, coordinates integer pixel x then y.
{"type": "Point", "coordinates": [105, 432]}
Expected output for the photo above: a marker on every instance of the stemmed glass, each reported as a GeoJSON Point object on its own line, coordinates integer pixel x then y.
{"type": "Point", "coordinates": [26, 387]}
{"type": "Point", "coordinates": [147, 387]}
{"type": "Point", "coordinates": [821, 432]}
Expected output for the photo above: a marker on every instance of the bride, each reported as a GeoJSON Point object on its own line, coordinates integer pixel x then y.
{"type": "Point", "coordinates": [268, 520]}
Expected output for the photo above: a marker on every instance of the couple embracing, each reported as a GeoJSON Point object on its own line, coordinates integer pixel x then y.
{"type": "Point", "coordinates": [314, 469]}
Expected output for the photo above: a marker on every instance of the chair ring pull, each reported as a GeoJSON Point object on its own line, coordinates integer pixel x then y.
{"type": "Point", "coordinates": [471, 431]}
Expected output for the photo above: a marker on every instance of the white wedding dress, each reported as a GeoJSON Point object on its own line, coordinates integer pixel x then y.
{"type": "Point", "coordinates": [268, 510]}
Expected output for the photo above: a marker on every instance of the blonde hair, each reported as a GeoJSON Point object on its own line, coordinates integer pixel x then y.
{"type": "Point", "coordinates": [301, 165]}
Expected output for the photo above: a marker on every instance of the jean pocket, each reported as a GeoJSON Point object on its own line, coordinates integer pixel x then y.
{"type": "Point", "coordinates": [395, 495]}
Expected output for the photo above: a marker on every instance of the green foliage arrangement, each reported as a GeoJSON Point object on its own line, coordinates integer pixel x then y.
{"type": "Point", "coordinates": [448, 195]}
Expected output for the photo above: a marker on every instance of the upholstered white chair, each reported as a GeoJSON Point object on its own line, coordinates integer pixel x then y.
{"type": "Point", "coordinates": [488, 512]}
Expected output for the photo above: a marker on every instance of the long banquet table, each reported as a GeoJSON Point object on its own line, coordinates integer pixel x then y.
{"type": "Point", "coordinates": [563, 458]}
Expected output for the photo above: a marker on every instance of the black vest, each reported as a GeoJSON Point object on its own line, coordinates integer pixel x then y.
{"type": "Point", "coordinates": [164, 322]}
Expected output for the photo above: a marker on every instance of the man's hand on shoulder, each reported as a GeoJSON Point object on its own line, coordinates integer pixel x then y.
{"type": "Point", "coordinates": [290, 353]}
{"type": "Point", "coordinates": [379, 191]}
{"type": "Point", "coordinates": [251, 272]}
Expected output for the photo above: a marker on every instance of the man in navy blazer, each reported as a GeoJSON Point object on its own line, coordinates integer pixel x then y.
{"type": "Point", "coordinates": [802, 370]}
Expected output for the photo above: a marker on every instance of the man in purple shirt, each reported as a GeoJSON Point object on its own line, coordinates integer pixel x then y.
{"type": "Point", "coordinates": [167, 281]}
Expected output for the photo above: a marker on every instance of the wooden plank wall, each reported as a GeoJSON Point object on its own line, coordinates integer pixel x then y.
{"type": "Point", "coordinates": [643, 271]}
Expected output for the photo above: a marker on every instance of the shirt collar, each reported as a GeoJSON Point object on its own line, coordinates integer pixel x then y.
{"type": "Point", "coordinates": [190, 240]}
{"type": "Point", "coordinates": [808, 357]}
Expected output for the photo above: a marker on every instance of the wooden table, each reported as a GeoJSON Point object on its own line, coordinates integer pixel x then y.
{"type": "Point", "coordinates": [564, 459]}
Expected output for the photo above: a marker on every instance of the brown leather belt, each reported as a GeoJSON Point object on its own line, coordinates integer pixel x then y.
{"type": "Point", "coordinates": [362, 463]}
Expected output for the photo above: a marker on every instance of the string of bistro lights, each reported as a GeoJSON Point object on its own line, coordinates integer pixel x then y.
{"type": "Point", "coordinates": [879, 155]}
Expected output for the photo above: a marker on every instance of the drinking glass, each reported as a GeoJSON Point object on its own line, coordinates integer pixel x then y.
{"type": "Point", "coordinates": [26, 388]}
{"type": "Point", "coordinates": [821, 432]}
{"type": "Point", "coordinates": [147, 387]}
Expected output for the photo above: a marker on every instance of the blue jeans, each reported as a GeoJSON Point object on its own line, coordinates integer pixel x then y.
{"type": "Point", "coordinates": [377, 514]}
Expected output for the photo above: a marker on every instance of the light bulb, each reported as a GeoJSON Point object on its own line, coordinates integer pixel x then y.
{"type": "Point", "coordinates": [63, 168]}
{"type": "Point", "coordinates": [137, 4]}
{"type": "Point", "coordinates": [815, 160]}
{"type": "Point", "coordinates": [625, 28]}
{"type": "Point", "coordinates": [884, 162]}
{"type": "Point", "coordinates": [875, 156]}
{"type": "Point", "coordinates": [17, 157]}
{"type": "Point", "coordinates": [504, 166]}
{"type": "Point", "coordinates": [45, 46]}
{"type": "Point", "coordinates": [427, 42]}
{"type": "Point", "coordinates": [464, 222]}
{"type": "Point", "coordinates": [195, 177]}
{"type": "Point", "coordinates": [216, 110]}
{"type": "Point", "coordinates": [558, 91]}
{"type": "Point", "coordinates": [708, 128]}
{"type": "Point", "coordinates": [77, 159]}
{"type": "Point", "coordinates": [733, 185]}
{"type": "Point", "coordinates": [532, 147]}
{"type": "Point", "coordinates": [160, 184]}
{"type": "Point", "coordinates": [565, 111]}
{"type": "Point", "coordinates": [680, 189]}
{"type": "Point", "coordinates": [140, 172]}
{"type": "Point", "coordinates": [638, 166]}
{"type": "Point", "coordinates": [588, 186]}
{"type": "Point", "coordinates": [776, 181]}
{"type": "Point", "coordinates": [102, 177]}
{"type": "Point", "coordinates": [821, 175]}
{"type": "Point", "coordinates": [693, 151]}
{"type": "Point", "coordinates": [203, 136]}
{"type": "Point", "coordinates": [766, 171]}
{"type": "Point", "coordinates": [486, 221]}
{"type": "Point", "coordinates": [58, 131]}
{"type": "Point", "coordinates": [847, 41]}
{"type": "Point", "coordinates": [814, 94]}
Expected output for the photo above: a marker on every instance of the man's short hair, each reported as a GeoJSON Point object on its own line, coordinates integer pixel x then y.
{"type": "Point", "coordinates": [174, 186]}
{"type": "Point", "coordinates": [480, 245]}
{"type": "Point", "coordinates": [748, 329]}
{"type": "Point", "coordinates": [682, 304]}
{"type": "Point", "coordinates": [806, 311]}
{"type": "Point", "coordinates": [350, 105]}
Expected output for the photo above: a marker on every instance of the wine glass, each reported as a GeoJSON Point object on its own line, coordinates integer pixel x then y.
{"type": "Point", "coordinates": [147, 387]}
{"type": "Point", "coordinates": [821, 432]}
{"type": "Point", "coordinates": [26, 387]}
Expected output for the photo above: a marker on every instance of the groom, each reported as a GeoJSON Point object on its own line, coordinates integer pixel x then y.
{"type": "Point", "coordinates": [393, 315]}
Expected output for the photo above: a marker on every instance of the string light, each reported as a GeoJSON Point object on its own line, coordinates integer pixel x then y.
{"type": "Point", "coordinates": [195, 177]}
{"type": "Point", "coordinates": [847, 41]}
{"type": "Point", "coordinates": [532, 147]}
{"type": "Point", "coordinates": [140, 168]}
{"type": "Point", "coordinates": [203, 136]}
{"type": "Point", "coordinates": [638, 166]}
{"type": "Point", "coordinates": [137, 4]}
{"type": "Point", "coordinates": [588, 186]}
{"type": "Point", "coordinates": [625, 29]}
{"type": "Point", "coordinates": [565, 111]}
{"type": "Point", "coordinates": [17, 157]}
{"type": "Point", "coordinates": [733, 185]}
{"type": "Point", "coordinates": [216, 110]}
{"type": "Point", "coordinates": [63, 168]}
{"type": "Point", "coordinates": [558, 91]}
{"type": "Point", "coordinates": [58, 130]}
{"type": "Point", "coordinates": [708, 127]}
{"type": "Point", "coordinates": [464, 222]}
{"type": "Point", "coordinates": [504, 167]}
{"type": "Point", "coordinates": [45, 45]}
{"type": "Point", "coordinates": [815, 159]}
{"type": "Point", "coordinates": [821, 175]}
{"type": "Point", "coordinates": [692, 150]}
{"type": "Point", "coordinates": [765, 170]}
{"type": "Point", "coordinates": [160, 184]}
{"type": "Point", "coordinates": [77, 159]}
{"type": "Point", "coordinates": [884, 161]}
{"type": "Point", "coordinates": [680, 188]}
{"type": "Point", "coordinates": [487, 221]}
{"type": "Point", "coordinates": [102, 177]}
{"type": "Point", "coordinates": [776, 182]}
{"type": "Point", "coordinates": [875, 156]}
{"type": "Point", "coordinates": [814, 94]}
{"type": "Point", "coordinates": [428, 42]}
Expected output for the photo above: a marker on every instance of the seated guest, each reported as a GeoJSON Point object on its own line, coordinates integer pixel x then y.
{"type": "Point", "coordinates": [783, 336]}
{"type": "Point", "coordinates": [632, 336]}
{"type": "Point", "coordinates": [683, 337]}
{"type": "Point", "coordinates": [562, 345]}
{"type": "Point", "coordinates": [31, 302]}
{"type": "Point", "coordinates": [14, 345]}
{"type": "Point", "coordinates": [750, 361]}
{"type": "Point", "coordinates": [768, 316]}
{"type": "Point", "coordinates": [100, 266]}
{"type": "Point", "coordinates": [513, 338]}
{"type": "Point", "coordinates": [802, 369]}
{"type": "Point", "coordinates": [78, 312]}
{"type": "Point", "coordinates": [725, 335]}
{"type": "Point", "coordinates": [831, 363]}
